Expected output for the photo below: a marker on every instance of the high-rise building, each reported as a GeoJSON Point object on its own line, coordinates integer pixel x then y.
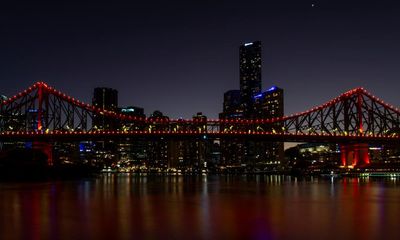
{"type": "Point", "coordinates": [239, 104]}
{"type": "Point", "coordinates": [106, 99]}
{"type": "Point", "coordinates": [231, 107]}
{"type": "Point", "coordinates": [157, 150]}
{"type": "Point", "coordinates": [267, 105]}
{"type": "Point", "coordinates": [199, 149]}
{"type": "Point", "coordinates": [250, 102]}
{"type": "Point", "coordinates": [190, 154]}
{"type": "Point", "coordinates": [231, 153]}
{"type": "Point", "coordinates": [132, 151]}
{"type": "Point", "coordinates": [250, 74]}
{"type": "Point", "coordinates": [133, 112]}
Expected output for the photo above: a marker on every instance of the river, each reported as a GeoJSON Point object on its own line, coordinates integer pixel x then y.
{"type": "Point", "coordinates": [123, 206]}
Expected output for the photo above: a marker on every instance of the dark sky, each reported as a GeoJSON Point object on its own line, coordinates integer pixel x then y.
{"type": "Point", "coordinates": [181, 56]}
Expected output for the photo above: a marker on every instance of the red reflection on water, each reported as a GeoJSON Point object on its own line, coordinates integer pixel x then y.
{"type": "Point", "coordinates": [126, 207]}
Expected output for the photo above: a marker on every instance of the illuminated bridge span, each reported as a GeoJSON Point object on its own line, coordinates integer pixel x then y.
{"type": "Point", "coordinates": [42, 113]}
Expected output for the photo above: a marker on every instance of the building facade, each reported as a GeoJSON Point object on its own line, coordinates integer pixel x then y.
{"type": "Point", "coordinates": [250, 74]}
{"type": "Point", "coordinates": [231, 105]}
{"type": "Point", "coordinates": [250, 103]}
{"type": "Point", "coordinates": [269, 104]}
{"type": "Point", "coordinates": [105, 99]}
{"type": "Point", "coordinates": [190, 154]}
{"type": "Point", "coordinates": [132, 151]}
{"type": "Point", "coordinates": [231, 150]}
{"type": "Point", "coordinates": [157, 148]}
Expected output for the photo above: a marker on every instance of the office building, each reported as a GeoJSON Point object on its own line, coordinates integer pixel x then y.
{"type": "Point", "coordinates": [239, 104]}
{"type": "Point", "coordinates": [157, 149]}
{"type": "Point", "coordinates": [105, 99]}
{"type": "Point", "coordinates": [190, 154]}
{"type": "Point", "coordinates": [250, 74]}
{"type": "Point", "coordinates": [231, 105]}
{"type": "Point", "coordinates": [268, 105]}
{"type": "Point", "coordinates": [132, 152]}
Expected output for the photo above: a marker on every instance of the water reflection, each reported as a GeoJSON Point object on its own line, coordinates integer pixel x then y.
{"type": "Point", "coordinates": [124, 206]}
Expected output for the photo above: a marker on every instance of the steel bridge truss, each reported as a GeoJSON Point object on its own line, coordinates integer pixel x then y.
{"type": "Point", "coordinates": [41, 109]}
{"type": "Point", "coordinates": [355, 113]}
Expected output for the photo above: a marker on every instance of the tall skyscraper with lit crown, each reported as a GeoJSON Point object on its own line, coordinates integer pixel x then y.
{"type": "Point", "coordinates": [250, 74]}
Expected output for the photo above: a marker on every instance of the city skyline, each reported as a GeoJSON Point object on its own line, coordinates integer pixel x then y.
{"type": "Point", "coordinates": [219, 119]}
{"type": "Point", "coordinates": [323, 49]}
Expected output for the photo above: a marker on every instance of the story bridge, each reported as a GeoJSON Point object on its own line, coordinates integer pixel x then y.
{"type": "Point", "coordinates": [356, 118]}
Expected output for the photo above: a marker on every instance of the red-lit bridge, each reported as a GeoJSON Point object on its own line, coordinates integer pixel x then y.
{"type": "Point", "coordinates": [353, 119]}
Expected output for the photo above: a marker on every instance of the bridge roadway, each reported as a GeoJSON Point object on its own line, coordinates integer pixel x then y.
{"type": "Point", "coordinates": [54, 136]}
{"type": "Point", "coordinates": [354, 119]}
{"type": "Point", "coordinates": [355, 116]}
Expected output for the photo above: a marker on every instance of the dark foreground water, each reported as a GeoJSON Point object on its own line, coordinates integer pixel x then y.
{"type": "Point", "coordinates": [203, 207]}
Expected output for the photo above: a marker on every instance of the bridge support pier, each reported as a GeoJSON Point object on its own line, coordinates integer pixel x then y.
{"type": "Point", "coordinates": [46, 148]}
{"type": "Point", "coordinates": [354, 154]}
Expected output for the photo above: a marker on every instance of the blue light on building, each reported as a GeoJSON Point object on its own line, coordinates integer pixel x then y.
{"type": "Point", "coordinates": [258, 95]}
{"type": "Point", "coordinates": [273, 88]}
{"type": "Point", "coordinates": [81, 147]}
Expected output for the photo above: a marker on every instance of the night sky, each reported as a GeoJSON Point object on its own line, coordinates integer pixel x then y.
{"type": "Point", "coordinates": [181, 56]}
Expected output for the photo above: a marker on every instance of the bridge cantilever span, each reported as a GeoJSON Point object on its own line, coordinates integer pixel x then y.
{"type": "Point", "coordinates": [43, 113]}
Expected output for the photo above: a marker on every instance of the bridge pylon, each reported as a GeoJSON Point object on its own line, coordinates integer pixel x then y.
{"type": "Point", "coordinates": [46, 148]}
{"type": "Point", "coordinates": [355, 154]}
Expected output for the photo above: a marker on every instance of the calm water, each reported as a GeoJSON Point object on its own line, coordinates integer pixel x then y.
{"type": "Point", "coordinates": [213, 207]}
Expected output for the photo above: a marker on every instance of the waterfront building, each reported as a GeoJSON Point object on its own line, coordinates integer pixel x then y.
{"type": "Point", "coordinates": [200, 147]}
{"type": "Point", "coordinates": [131, 152]}
{"type": "Point", "coordinates": [267, 105]}
{"type": "Point", "coordinates": [231, 153]}
{"type": "Point", "coordinates": [157, 149]}
{"type": "Point", "coordinates": [105, 99]}
{"type": "Point", "coordinates": [238, 104]}
{"type": "Point", "coordinates": [66, 153]}
{"type": "Point", "coordinates": [313, 157]}
{"type": "Point", "coordinates": [190, 154]}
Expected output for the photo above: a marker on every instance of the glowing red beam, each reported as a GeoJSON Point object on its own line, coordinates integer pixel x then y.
{"type": "Point", "coordinates": [124, 117]}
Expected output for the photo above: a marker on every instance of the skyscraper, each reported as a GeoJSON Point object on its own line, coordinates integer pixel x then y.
{"type": "Point", "coordinates": [231, 107]}
{"type": "Point", "coordinates": [107, 99]}
{"type": "Point", "coordinates": [250, 102]}
{"type": "Point", "coordinates": [250, 74]}
{"type": "Point", "coordinates": [157, 150]}
{"type": "Point", "coordinates": [189, 154]}
{"type": "Point", "coordinates": [231, 149]}
{"type": "Point", "coordinates": [132, 152]}
{"type": "Point", "coordinates": [268, 105]}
